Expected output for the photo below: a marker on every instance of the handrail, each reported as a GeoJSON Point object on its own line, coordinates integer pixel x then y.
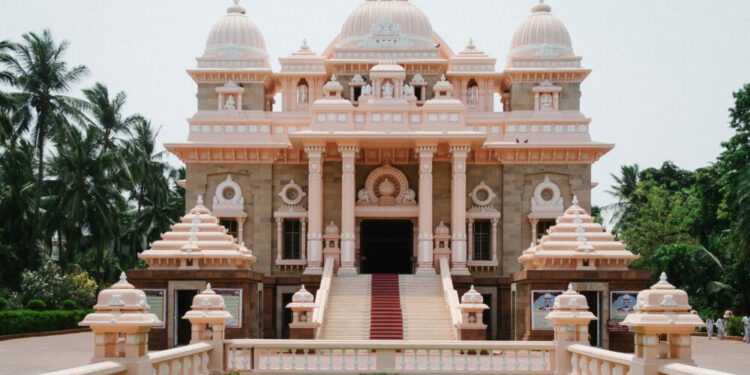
{"type": "Point", "coordinates": [683, 369]}
{"type": "Point", "coordinates": [101, 368]}
{"type": "Point", "coordinates": [392, 344]}
{"type": "Point", "coordinates": [451, 296]}
{"type": "Point", "coordinates": [601, 354]}
{"type": "Point", "coordinates": [170, 354]}
{"type": "Point", "coordinates": [321, 296]}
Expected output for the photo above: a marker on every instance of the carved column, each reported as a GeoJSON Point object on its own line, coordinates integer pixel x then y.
{"type": "Point", "coordinates": [303, 236]}
{"type": "Point", "coordinates": [315, 210]}
{"type": "Point", "coordinates": [458, 210]}
{"type": "Point", "coordinates": [279, 238]}
{"type": "Point", "coordinates": [534, 223]}
{"type": "Point", "coordinates": [348, 199]}
{"type": "Point", "coordinates": [470, 239]}
{"type": "Point", "coordinates": [240, 230]}
{"type": "Point", "coordinates": [425, 261]}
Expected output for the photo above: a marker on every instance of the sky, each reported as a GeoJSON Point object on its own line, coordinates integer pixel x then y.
{"type": "Point", "coordinates": [663, 71]}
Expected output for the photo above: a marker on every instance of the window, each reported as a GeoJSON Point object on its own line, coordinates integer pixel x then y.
{"type": "Point", "coordinates": [231, 226]}
{"type": "Point", "coordinates": [543, 225]}
{"type": "Point", "coordinates": [482, 233]}
{"type": "Point", "coordinates": [291, 239]}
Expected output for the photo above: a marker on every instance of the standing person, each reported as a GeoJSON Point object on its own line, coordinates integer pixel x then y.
{"type": "Point", "coordinates": [710, 326]}
{"type": "Point", "coordinates": [746, 324]}
{"type": "Point", "coordinates": [721, 327]}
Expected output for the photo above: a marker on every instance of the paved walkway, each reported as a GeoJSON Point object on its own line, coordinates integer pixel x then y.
{"type": "Point", "coordinates": [725, 355]}
{"type": "Point", "coordinates": [38, 355]}
{"type": "Point", "coordinates": [44, 354]}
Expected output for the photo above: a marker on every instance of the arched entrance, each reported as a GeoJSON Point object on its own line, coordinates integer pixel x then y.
{"type": "Point", "coordinates": [386, 246]}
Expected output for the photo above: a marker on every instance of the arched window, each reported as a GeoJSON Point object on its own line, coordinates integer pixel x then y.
{"type": "Point", "coordinates": [303, 92]}
{"type": "Point", "coordinates": [472, 92]}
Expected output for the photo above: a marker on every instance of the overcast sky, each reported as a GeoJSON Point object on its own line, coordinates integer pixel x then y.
{"type": "Point", "coordinates": [662, 82]}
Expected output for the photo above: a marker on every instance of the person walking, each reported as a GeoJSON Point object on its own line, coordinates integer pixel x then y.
{"type": "Point", "coordinates": [721, 327]}
{"type": "Point", "coordinates": [710, 326]}
{"type": "Point", "coordinates": [746, 324]}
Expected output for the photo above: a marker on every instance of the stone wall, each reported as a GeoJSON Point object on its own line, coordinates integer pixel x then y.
{"type": "Point", "coordinates": [522, 96]}
{"type": "Point", "coordinates": [252, 100]}
{"type": "Point", "coordinates": [519, 182]}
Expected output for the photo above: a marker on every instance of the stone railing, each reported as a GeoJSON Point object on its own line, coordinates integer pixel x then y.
{"type": "Point", "coordinates": [186, 360]}
{"type": "Point", "coordinates": [101, 368]}
{"type": "Point", "coordinates": [321, 296]}
{"type": "Point", "coordinates": [586, 360]}
{"type": "Point", "coordinates": [451, 296]}
{"type": "Point", "coordinates": [682, 369]}
{"type": "Point", "coordinates": [324, 356]}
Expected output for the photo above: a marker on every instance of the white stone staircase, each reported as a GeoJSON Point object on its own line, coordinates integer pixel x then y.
{"type": "Point", "coordinates": [425, 311]}
{"type": "Point", "coordinates": [347, 314]}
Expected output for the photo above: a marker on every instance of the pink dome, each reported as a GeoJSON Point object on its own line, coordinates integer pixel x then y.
{"type": "Point", "coordinates": [236, 36]}
{"type": "Point", "coordinates": [542, 34]}
{"type": "Point", "coordinates": [414, 24]}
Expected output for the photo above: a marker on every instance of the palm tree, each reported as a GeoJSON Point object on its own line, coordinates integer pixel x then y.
{"type": "Point", "coordinates": [625, 186]}
{"type": "Point", "coordinates": [108, 113]}
{"type": "Point", "coordinates": [6, 77]}
{"type": "Point", "coordinates": [86, 193]}
{"type": "Point", "coordinates": [741, 227]}
{"type": "Point", "coordinates": [43, 77]}
{"type": "Point", "coordinates": [148, 170]}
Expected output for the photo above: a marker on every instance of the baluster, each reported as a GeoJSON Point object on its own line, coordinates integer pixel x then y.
{"type": "Point", "coordinates": [281, 360]}
{"type": "Point", "coordinates": [593, 366]}
{"type": "Point", "coordinates": [479, 359]}
{"type": "Point", "coordinates": [233, 361]}
{"type": "Point", "coordinates": [544, 354]}
{"type": "Point", "coordinates": [403, 359]}
{"type": "Point", "coordinates": [317, 359]}
{"type": "Point", "coordinates": [491, 359]}
{"type": "Point", "coordinates": [528, 360]}
{"type": "Point", "coordinates": [343, 359]}
{"type": "Point", "coordinates": [306, 363]}
{"type": "Point", "coordinates": [428, 359]}
{"type": "Point", "coordinates": [516, 360]}
{"type": "Point", "coordinates": [618, 370]}
{"type": "Point", "coordinates": [188, 366]}
{"type": "Point", "coordinates": [466, 359]}
{"type": "Point", "coordinates": [584, 365]}
{"type": "Point", "coordinates": [294, 359]}
{"type": "Point", "coordinates": [416, 360]}
{"type": "Point", "coordinates": [330, 359]}
{"type": "Point", "coordinates": [604, 369]}
{"type": "Point", "coordinates": [244, 361]}
{"type": "Point", "coordinates": [440, 359]}
{"type": "Point", "coordinates": [356, 359]}
{"type": "Point", "coordinates": [503, 362]}
{"type": "Point", "coordinates": [453, 359]}
{"type": "Point", "coordinates": [368, 352]}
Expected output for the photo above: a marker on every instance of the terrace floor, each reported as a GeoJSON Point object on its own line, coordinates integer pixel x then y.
{"type": "Point", "coordinates": [50, 353]}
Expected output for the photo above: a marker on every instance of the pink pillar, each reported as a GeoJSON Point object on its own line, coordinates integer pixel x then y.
{"type": "Point", "coordinates": [425, 261]}
{"type": "Point", "coordinates": [458, 210]}
{"type": "Point", "coordinates": [348, 198]}
{"type": "Point", "coordinates": [315, 210]}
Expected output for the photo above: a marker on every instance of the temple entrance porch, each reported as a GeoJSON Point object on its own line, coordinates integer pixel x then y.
{"type": "Point", "coordinates": [386, 247]}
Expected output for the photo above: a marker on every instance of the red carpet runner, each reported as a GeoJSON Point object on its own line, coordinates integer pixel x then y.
{"type": "Point", "coordinates": [386, 321]}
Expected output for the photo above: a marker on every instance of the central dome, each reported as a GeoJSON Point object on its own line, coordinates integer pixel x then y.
{"type": "Point", "coordinates": [235, 36]}
{"type": "Point", "coordinates": [394, 14]}
{"type": "Point", "coordinates": [542, 35]}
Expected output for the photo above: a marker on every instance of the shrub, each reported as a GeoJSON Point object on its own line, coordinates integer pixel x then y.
{"type": "Point", "coordinates": [735, 326]}
{"type": "Point", "coordinates": [28, 321]}
{"type": "Point", "coordinates": [36, 305]}
{"type": "Point", "coordinates": [50, 284]}
{"type": "Point", "coordinates": [68, 305]}
{"type": "Point", "coordinates": [3, 303]}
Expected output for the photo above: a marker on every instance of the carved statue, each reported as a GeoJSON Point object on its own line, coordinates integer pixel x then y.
{"type": "Point", "coordinates": [388, 90]}
{"type": "Point", "coordinates": [367, 90]}
{"type": "Point", "coordinates": [546, 101]}
{"type": "Point", "coordinates": [363, 196]}
{"type": "Point", "coordinates": [302, 94]}
{"type": "Point", "coordinates": [474, 95]}
{"type": "Point", "coordinates": [410, 196]}
{"type": "Point", "coordinates": [230, 103]}
{"type": "Point", "coordinates": [408, 90]}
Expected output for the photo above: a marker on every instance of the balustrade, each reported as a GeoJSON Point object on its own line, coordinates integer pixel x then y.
{"type": "Point", "coordinates": [267, 356]}
{"type": "Point", "coordinates": [586, 360]}
{"type": "Point", "coordinates": [187, 360]}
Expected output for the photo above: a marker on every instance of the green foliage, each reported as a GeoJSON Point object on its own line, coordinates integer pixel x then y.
{"type": "Point", "coordinates": [69, 305]}
{"type": "Point", "coordinates": [50, 284]}
{"type": "Point", "coordinates": [36, 305]}
{"type": "Point", "coordinates": [3, 303]}
{"type": "Point", "coordinates": [735, 326]}
{"type": "Point", "coordinates": [28, 321]}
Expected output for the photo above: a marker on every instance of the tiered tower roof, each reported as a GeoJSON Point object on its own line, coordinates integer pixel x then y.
{"type": "Point", "coordinates": [576, 242]}
{"type": "Point", "coordinates": [198, 241]}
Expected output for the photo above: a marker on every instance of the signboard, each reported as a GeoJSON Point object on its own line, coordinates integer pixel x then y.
{"type": "Point", "coordinates": [613, 325]}
{"type": "Point", "coordinates": [156, 303]}
{"type": "Point", "coordinates": [233, 304]}
{"type": "Point", "coordinates": [542, 302]}
{"type": "Point", "coordinates": [621, 304]}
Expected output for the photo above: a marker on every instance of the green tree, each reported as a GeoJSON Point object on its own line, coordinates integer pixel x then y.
{"type": "Point", "coordinates": [43, 77]}
{"type": "Point", "coordinates": [108, 114]}
{"type": "Point", "coordinates": [624, 187]}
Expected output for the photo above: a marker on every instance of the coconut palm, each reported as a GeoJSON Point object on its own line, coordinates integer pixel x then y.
{"type": "Point", "coordinates": [623, 189]}
{"type": "Point", "coordinates": [108, 113]}
{"type": "Point", "coordinates": [43, 77]}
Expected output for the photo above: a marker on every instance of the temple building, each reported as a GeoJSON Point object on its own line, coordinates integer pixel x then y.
{"type": "Point", "coordinates": [388, 153]}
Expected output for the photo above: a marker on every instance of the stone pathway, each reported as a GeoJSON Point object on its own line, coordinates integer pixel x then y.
{"type": "Point", "coordinates": [38, 355]}
{"type": "Point", "coordinates": [726, 355]}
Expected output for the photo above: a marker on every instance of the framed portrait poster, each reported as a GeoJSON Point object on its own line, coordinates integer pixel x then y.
{"type": "Point", "coordinates": [233, 304]}
{"type": "Point", "coordinates": [155, 299]}
{"type": "Point", "coordinates": [542, 302]}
